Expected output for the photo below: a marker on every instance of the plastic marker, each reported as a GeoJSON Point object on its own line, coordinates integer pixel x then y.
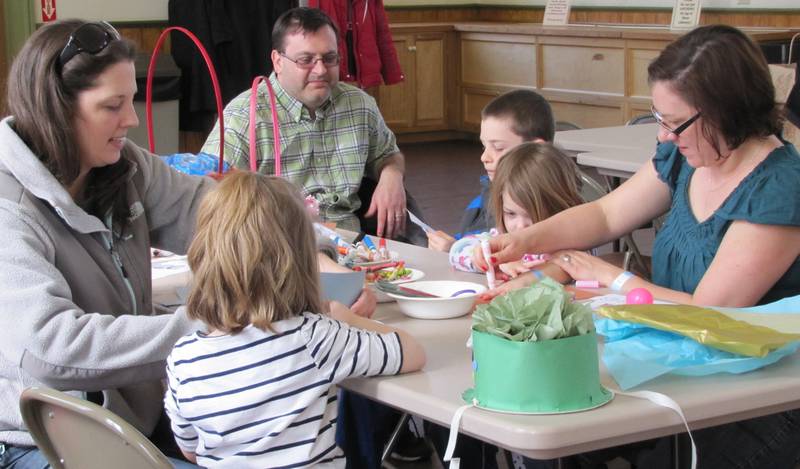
{"type": "Point", "coordinates": [587, 284]}
{"type": "Point", "coordinates": [487, 254]}
{"type": "Point", "coordinates": [383, 252]}
{"type": "Point", "coordinates": [369, 244]}
{"type": "Point", "coordinates": [414, 219]}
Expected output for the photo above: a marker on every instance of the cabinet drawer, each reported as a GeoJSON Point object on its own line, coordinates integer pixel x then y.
{"type": "Point", "coordinates": [588, 115]}
{"type": "Point", "coordinates": [498, 59]}
{"type": "Point", "coordinates": [640, 60]}
{"type": "Point", "coordinates": [583, 68]}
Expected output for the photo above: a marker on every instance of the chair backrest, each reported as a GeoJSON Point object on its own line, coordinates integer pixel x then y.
{"type": "Point", "coordinates": [641, 119]}
{"type": "Point", "coordinates": [74, 433]}
{"type": "Point", "coordinates": [566, 125]}
{"type": "Point", "coordinates": [591, 190]}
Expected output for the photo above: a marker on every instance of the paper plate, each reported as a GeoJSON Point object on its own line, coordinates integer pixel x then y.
{"type": "Point", "coordinates": [415, 275]}
{"type": "Point", "coordinates": [382, 297]}
{"type": "Point", "coordinates": [467, 396]}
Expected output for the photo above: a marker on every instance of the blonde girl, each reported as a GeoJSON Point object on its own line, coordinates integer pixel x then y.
{"type": "Point", "coordinates": [256, 387]}
{"type": "Point", "coordinates": [533, 181]}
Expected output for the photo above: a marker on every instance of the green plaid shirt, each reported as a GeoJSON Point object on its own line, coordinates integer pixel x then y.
{"type": "Point", "coordinates": [326, 156]}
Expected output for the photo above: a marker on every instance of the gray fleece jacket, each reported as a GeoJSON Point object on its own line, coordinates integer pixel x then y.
{"type": "Point", "coordinates": [69, 319]}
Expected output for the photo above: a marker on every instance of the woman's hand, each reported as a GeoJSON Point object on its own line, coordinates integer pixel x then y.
{"type": "Point", "coordinates": [507, 247]}
{"type": "Point", "coordinates": [582, 266]}
{"type": "Point", "coordinates": [365, 304]}
{"type": "Point", "coordinates": [440, 241]}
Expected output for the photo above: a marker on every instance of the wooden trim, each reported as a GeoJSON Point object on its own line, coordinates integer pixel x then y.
{"type": "Point", "coordinates": [783, 18]}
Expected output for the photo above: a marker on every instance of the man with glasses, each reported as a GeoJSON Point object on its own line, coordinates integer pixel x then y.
{"type": "Point", "coordinates": [331, 134]}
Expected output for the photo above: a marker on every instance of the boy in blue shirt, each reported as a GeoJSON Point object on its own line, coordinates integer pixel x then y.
{"type": "Point", "coordinates": [507, 121]}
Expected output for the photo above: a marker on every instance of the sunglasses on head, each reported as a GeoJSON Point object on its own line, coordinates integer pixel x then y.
{"type": "Point", "coordinates": [89, 37]}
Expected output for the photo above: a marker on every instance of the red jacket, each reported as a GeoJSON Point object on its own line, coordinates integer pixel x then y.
{"type": "Point", "coordinates": [376, 57]}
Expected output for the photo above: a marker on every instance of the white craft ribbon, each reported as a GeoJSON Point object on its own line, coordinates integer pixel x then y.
{"type": "Point", "coordinates": [656, 398]}
{"type": "Point", "coordinates": [455, 463]}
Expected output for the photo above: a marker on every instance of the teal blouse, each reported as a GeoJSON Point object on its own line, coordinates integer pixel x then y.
{"type": "Point", "coordinates": [684, 247]}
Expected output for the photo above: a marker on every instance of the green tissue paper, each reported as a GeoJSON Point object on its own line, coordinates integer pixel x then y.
{"type": "Point", "coordinates": [543, 311]}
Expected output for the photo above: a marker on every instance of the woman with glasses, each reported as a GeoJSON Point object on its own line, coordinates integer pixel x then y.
{"type": "Point", "coordinates": [730, 186]}
{"type": "Point", "coordinates": [80, 207]}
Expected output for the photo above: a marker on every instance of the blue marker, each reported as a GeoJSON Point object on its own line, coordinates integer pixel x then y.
{"type": "Point", "coordinates": [369, 244]}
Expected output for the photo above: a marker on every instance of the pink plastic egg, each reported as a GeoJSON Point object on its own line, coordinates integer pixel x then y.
{"type": "Point", "coordinates": [639, 296]}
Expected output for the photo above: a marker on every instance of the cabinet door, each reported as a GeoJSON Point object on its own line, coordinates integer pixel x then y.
{"type": "Point", "coordinates": [429, 50]}
{"type": "Point", "coordinates": [396, 102]}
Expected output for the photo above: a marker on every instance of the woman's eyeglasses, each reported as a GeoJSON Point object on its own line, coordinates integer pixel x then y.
{"type": "Point", "coordinates": [308, 61]}
{"type": "Point", "coordinates": [677, 130]}
{"type": "Point", "coordinates": [89, 37]}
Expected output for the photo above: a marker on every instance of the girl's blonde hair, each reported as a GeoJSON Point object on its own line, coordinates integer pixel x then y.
{"type": "Point", "coordinates": [253, 256]}
{"type": "Point", "coordinates": [539, 178]}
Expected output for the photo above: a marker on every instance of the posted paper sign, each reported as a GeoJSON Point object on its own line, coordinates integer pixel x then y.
{"type": "Point", "coordinates": [685, 14]}
{"type": "Point", "coordinates": [556, 12]}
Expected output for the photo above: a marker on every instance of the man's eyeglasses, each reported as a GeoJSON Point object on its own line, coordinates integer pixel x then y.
{"type": "Point", "coordinates": [89, 37]}
{"type": "Point", "coordinates": [308, 61]}
{"type": "Point", "coordinates": [677, 130]}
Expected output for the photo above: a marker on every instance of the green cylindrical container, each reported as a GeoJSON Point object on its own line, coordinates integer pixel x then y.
{"type": "Point", "coordinates": [549, 376]}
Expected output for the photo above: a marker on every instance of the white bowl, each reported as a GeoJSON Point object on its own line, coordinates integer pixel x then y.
{"type": "Point", "coordinates": [439, 308]}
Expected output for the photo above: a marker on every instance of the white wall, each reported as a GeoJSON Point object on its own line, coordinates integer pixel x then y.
{"type": "Point", "coordinates": [156, 10]}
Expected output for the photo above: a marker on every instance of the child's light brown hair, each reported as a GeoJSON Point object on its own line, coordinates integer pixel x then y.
{"type": "Point", "coordinates": [253, 255]}
{"type": "Point", "coordinates": [539, 178]}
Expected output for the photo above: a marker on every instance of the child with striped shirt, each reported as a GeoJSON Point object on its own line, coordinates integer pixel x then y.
{"type": "Point", "coordinates": [256, 388]}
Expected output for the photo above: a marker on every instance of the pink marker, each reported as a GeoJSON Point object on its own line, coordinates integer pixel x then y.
{"type": "Point", "coordinates": [587, 284]}
{"type": "Point", "coordinates": [535, 257]}
{"type": "Point", "coordinates": [487, 255]}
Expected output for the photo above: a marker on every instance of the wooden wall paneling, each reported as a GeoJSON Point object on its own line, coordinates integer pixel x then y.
{"type": "Point", "coordinates": [639, 55]}
{"type": "Point", "coordinates": [498, 59]}
{"type": "Point", "coordinates": [433, 14]}
{"type": "Point", "coordinates": [647, 16]}
{"type": "Point", "coordinates": [587, 112]}
{"type": "Point", "coordinates": [394, 102]}
{"type": "Point", "coordinates": [583, 65]}
{"type": "Point", "coordinates": [430, 86]}
{"type": "Point", "coordinates": [453, 77]}
{"type": "Point", "coordinates": [473, 102]}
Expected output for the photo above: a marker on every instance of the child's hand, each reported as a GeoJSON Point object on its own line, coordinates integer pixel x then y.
{"type": "Point", "coordinates": [514, 269]}
{"type": "Point", "coordinates": [340, 312]}
{"type": "Point", "coordinates": [522, 281]}
{"type": "Point", "coordinates": [440, 241]}
{"type": "Point", "coordinates": [365, 304]}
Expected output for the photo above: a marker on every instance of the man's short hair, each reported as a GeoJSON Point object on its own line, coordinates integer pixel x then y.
{"type": "Point", "coordinates": [529, 112]}
{"type": "Point", "coordinates": [306, 20]}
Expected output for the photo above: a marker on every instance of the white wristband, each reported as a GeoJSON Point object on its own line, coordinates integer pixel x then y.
{"type": "Point", "coordinates": [619, 282]}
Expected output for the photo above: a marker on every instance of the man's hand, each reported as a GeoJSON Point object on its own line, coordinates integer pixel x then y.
{"type": "Point", "coordinates": [440, 241]}
{"type": "Point", "coordinates": [389, 202]}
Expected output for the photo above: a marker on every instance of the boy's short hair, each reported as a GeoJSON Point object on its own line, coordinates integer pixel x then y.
{"type": "Point", "coordinates": [531, 115]}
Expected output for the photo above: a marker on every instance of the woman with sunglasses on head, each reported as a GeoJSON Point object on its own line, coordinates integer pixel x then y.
{"type": "Point", "coordinates": [80, 207]}
{"type": "Point", "coordinates": [730, 185]}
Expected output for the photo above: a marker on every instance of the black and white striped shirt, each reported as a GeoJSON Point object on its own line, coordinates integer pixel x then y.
{"type": "Point", "coordinates": [267, 398]}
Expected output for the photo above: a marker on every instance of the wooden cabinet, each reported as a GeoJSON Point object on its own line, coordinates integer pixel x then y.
{"type": "Point", "coordinates": [589, 79]}
{"type": "Point", "coordinates": [419, 103]}
{"type": "Point", "coordinates": [592, 75]}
